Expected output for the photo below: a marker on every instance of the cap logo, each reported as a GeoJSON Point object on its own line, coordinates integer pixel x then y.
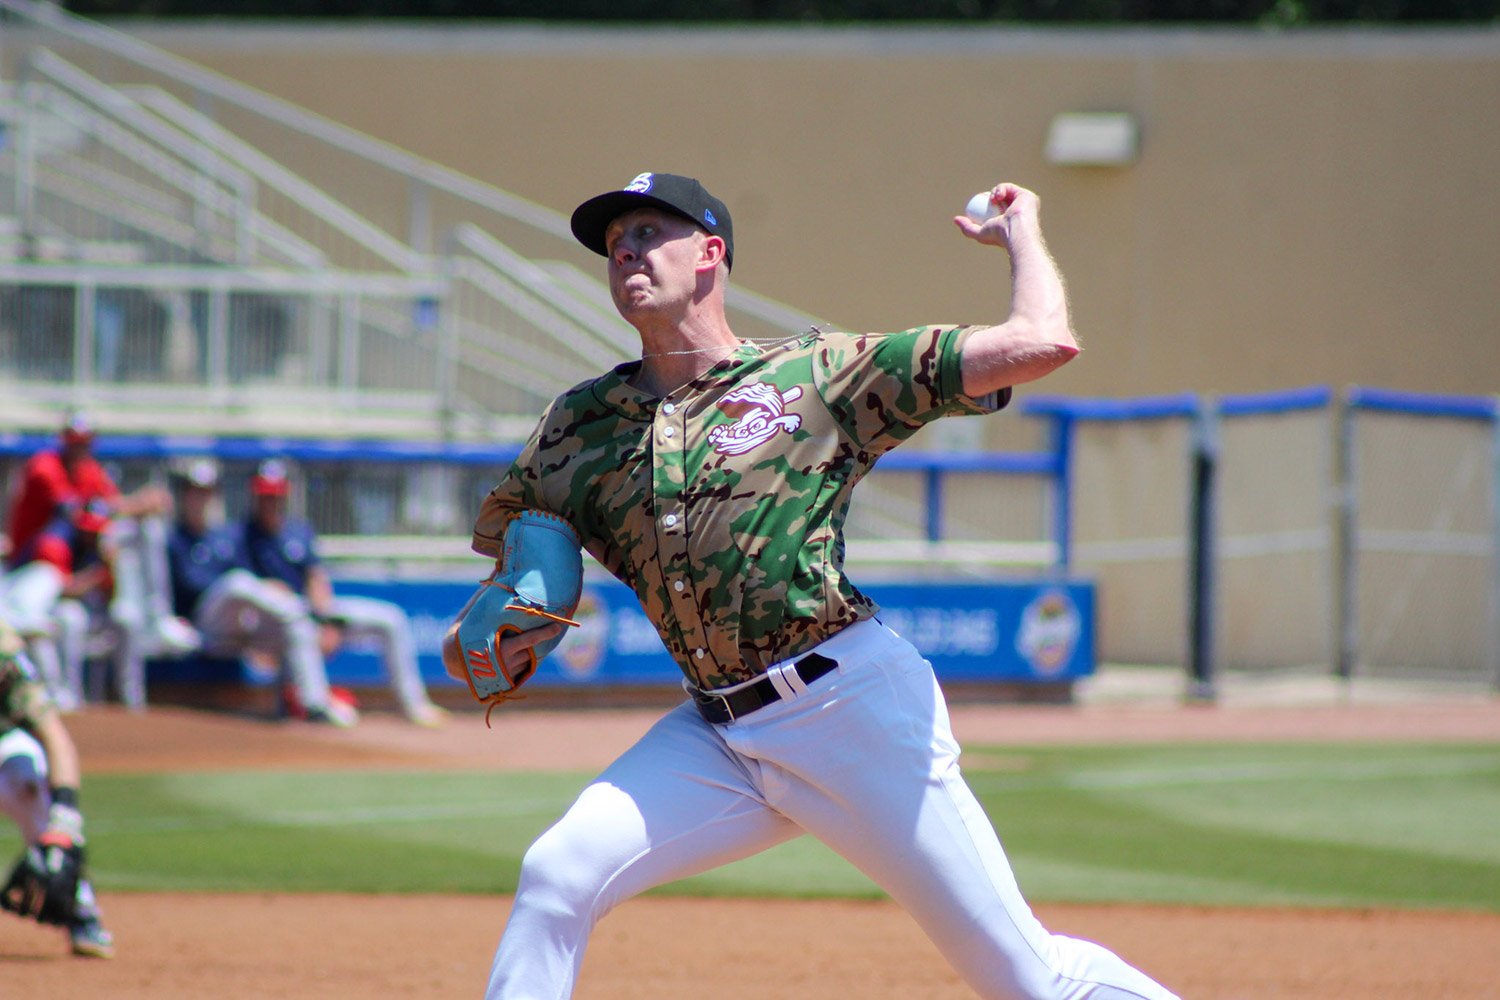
{"type": "Point", "coordinates": [641, 184]}
{"type": "Point", "coordinates": [708, 217]}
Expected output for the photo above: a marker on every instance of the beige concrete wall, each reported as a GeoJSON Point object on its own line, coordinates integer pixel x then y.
{"type": "Point", "coordinates": [1317, 207]}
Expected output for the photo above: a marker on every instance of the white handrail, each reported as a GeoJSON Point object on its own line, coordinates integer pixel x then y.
{"type": "Point", "coordinates": [290, 115]}
{"type": "Point", "coordinates": [273, 174]}
{"type": "Point", "coordinates": [611, 331]}
{"type": "Point", "coordinates": [357, 143]}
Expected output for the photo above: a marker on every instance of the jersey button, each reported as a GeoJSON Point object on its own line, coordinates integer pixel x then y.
{"type": "Point", "coordinates": [669, 408]}
{"type": "Point", "coordinates": [679, 585]}
{"type": "Point", "coordinates": [669, 520]}
{"type": "Point", "coordinates": [667, 432]}
{"type": "Point", "coordinates": [699, 652]}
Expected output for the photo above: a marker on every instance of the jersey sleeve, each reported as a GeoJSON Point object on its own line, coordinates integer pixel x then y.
{"type": "Point", "coordinates": [96, 483]}
{"type": "Point", "coordinates": [516, 490]}
{"type": "Point", "coordinates": [24, 700]}
{"type": "Point", "coordinates": [882, 388]}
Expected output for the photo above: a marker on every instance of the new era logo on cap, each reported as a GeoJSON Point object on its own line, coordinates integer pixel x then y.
{"type": "Point", "coordinates": [679, 195]}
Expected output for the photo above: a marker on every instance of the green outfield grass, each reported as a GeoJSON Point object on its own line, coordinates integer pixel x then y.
{"type": "Point", "coordinates": [1301, 825]}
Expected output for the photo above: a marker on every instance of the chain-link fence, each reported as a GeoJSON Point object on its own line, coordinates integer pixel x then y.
{"type": "Point", "coordinates": [1354, 536]}
{"type": "Point", "coordinates": [1423, 587]}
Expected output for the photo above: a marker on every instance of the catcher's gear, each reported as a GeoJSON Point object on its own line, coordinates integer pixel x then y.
{"type": "Point", "coordinates": [43, 884]}
{"type": "Point", "coordinates": [540, 580]}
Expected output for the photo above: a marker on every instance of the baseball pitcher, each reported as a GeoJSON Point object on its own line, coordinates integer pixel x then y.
{"type": "Point", "coordinates": [713, 476]}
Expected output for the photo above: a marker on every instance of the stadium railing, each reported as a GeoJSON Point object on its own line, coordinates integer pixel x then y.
{"type": "Point", "coordinates": [1354, 533]}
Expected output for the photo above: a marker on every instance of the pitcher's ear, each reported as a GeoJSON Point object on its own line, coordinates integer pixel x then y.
{"type": "Point", "coordinates": [711, 252]}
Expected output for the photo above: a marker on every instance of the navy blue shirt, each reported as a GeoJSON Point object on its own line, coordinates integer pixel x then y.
{"type": "Point", "coordinates": [287, 555]}
{"type": "Point", "coordinates": [197, 560]}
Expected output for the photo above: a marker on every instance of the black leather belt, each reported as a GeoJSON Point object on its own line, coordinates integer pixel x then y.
{"type": "Point", "coordinates": [722, 708]}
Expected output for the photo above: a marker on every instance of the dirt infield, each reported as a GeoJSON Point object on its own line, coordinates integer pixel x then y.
{"type": "Point", "coordinates": [331, 946]}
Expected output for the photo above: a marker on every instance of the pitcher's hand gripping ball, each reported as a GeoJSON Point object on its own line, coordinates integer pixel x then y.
{"type": "Point", "coordinates": [540, 580]}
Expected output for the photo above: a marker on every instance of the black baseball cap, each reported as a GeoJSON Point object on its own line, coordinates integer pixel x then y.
{"type": "Point", "coordinates": [679, 195]}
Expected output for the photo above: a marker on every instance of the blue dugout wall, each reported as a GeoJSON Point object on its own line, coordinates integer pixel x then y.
{"type": "Point", "coordinates": [1017, 630]}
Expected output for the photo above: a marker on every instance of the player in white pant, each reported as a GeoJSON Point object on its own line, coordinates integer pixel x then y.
{"type": "Point", "coordinates": [283, 551]}
{"type": "Point", "coordinates": [691, 796]}
{"type": "Point", "coordinates": [713, 476]}
{"type": "Point", "coordinates": [140, 609]}
{"type": "Point", "coordinates": [39, 782]}
{"type": "Point", "coordinates": [386, 627]}
{"type": "Point", "coordinates": [55, 631]}
{"type": "Point", "coordinates": [236, 611]}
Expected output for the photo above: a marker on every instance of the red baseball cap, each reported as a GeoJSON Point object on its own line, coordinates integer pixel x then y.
{"type": "Point", "coordinates": [77, 428]}
{"type": "Point", "coordinates": [270, 480]}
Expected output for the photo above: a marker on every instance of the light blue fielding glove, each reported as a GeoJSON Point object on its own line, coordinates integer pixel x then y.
{"type": "Point", "coordinates": [540, 580]}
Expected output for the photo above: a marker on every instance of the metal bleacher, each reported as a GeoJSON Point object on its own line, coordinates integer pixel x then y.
{"type": "Point", "coordinates": [155, 263]}
{"type": "Point", "coordinates": [163, 265]}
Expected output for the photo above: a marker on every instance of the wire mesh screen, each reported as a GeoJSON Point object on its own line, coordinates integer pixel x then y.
{"type": "Point", "coordinates": [1130, 489]}
{"type": "Point", "coordinates": [1275, 567]}
{"type": "Point", "coordinates": [992, 508]}
{"type": "Point", "coordinates": [1425, 537]}
{"type": "Point", "coordinates": [987, 521]}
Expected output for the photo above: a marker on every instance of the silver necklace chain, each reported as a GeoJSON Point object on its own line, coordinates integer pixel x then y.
{"type": "Point", "coordinates": [748, 340]}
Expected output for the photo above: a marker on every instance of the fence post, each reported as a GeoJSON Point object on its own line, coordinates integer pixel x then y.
{"type": "Point", "coordinates": [218, 341]}
{"type": "Point", "coordinates": [348, 362]}
{"type": "Point", "coordinates": [1202, 577]}
{"type": "Point", "coordinates": [1346, 540]}
{"type": "Point", "coordinates": [1062, 488]}
{"type": "Point", "coordinates": [933, 488]}
{"type": "Point", "coordinates": [1494, 634]}
{"type": "Point", "coordinates": [85, 297]}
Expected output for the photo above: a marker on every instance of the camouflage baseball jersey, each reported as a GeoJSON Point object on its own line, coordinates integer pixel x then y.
{"type": "Point", "coordinates": [722, 505]}
{"type": "Point", "coordinates": [23, 698]}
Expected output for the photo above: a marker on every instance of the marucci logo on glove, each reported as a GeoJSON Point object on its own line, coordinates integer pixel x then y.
{"type": "Point", "coordinates": [479, 664]}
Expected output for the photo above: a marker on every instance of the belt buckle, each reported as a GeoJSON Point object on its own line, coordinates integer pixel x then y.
{"type": "Point", "coordinates": [710, 698]}
{"type": "Point", "coordinates": [728, 708]}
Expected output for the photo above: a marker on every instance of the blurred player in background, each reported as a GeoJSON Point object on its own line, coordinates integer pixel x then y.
{"type": "Point", "coordinates": [58, 593]}
{"type": "Point", "coordinates": [67, 523]}
{"type": "Point", "coordinates": [39, 782]}
{"type": "Point", "coordinates": [235, 611]}
{"type": "Point", "coordinates": [284, 549]}
{"type": "Point", "coordinates": [70, 477]}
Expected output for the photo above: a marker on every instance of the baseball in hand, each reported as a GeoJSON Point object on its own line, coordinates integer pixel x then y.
{"type": "Point", "coordinates": [981, 208]}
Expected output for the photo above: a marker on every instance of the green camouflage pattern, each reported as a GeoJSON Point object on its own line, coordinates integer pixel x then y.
{"type": "Point", "coordinates": [23, 698]}
{"type": "Point", "coordinates": [722, 505]}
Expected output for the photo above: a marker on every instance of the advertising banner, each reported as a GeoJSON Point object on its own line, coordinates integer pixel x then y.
{"type": "Point", "coordinates": [987, 631]}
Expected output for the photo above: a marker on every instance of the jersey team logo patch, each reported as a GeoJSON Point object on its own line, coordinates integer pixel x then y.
{"type": "Point", "coordinates": [760, 414]}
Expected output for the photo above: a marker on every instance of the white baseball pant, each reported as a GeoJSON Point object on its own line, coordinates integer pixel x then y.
{"type": "Point", "coordinates": [240, 611]}
{"type": "Point", "coordinates": [55, 629]}
{"type": "Point", "coordinates": [24, 795]}
{"type": "Point", "coordinates": [26, 798]}
{"type": "Point", "coordinates": [864, 759]}
{"type": "Point", "coordinates": [386, 626]}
